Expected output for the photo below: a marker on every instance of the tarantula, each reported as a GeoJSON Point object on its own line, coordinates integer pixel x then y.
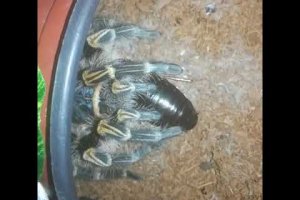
{"type": "Point", "coordinates": [123, 108]}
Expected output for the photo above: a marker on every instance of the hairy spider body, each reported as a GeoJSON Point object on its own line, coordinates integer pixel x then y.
{"type": "Point", "coordinates": [123, 108]}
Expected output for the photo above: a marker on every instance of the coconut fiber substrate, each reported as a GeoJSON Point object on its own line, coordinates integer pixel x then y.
{"type": "Point", "coordinates": [221, 53]}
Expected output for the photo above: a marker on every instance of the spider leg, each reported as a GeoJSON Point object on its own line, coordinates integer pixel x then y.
{"type": "Point", "coordinates": [115, 169]}
{"type": "Point", "coordinates": [155, 135]}
{"type": "Point", "coordinates": [96, 174]}
{"type": "Point", "coordinates": [111, 34]}
{"type": "Point", "coordinates": [97, 158]}
{"type": "Point", "coordinates": [133, 31]}
{"type": "Point", "coordinates": [118, 87]}
{"type": "Point", "coordinates": [125, 159]}
{"type": "Point", "coordinates": [112, 129]}
{"type": "Point", "coordinates": [134, 68]}
{"type": "Point", "coordinates": [124, 115]}
{"type": "Point", "coordinates": [122, 68]}
{"type": "Point", "coordinates": [116, 127]}
{"type": "Point", "coordinates": [121, 132]}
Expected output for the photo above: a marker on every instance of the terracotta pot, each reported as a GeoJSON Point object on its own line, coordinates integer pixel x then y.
{"type": "Point", "coordinates": [62, 28]}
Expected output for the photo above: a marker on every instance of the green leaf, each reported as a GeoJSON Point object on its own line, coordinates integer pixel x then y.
{"type": "Point", "coordinates": [41, 147]}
